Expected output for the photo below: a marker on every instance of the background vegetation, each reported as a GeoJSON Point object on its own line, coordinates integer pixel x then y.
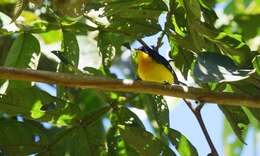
{"type": "Point", "coordinates": [89, 37]}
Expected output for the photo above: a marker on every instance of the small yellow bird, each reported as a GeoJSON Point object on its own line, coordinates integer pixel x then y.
{"type": "Point", "coordinates": [151, 66]}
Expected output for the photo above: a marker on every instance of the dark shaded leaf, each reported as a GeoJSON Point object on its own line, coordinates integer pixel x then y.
{"type": "Point", "coordinates": [78, 28]}
{"type": "Point", "coordinates": [136, 9]}
{"type": "Point", "coordinates": [86, 138]}
{"type": "Point", "coordinates": [19, 7]}
{"type": "Point", "coordinates": [135, 18]}
{"type": "Point", "coordinates": [46, 63]}
{"type": "Point", "coordinates": [182, 58]}
{"type": "Point", "coordinates": [21, 138]}
{"type": "Point", "coordinates": [214, 67]}
{"type": "Point", "coordinates": [117, 146]}
{"type": "Point", "coordinates": [127, 117]}
{"type": "Point", "coordinates": [89, 100]}
{"type": "Point", "coordinates": [249, 89]}
{"type": "Point", "coordinates": [249, 25]}
{"type": "Point", "coordinates": [70, 47]}
{"type": "Point", "coordinates": [61, 56]}
{"type": "Point", "coordinates": [144, 142]}
{"type": "Point", "coordinates": [69, 54]}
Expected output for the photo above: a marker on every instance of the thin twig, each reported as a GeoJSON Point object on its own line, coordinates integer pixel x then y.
{"type": "Point", "coordinates": [197, 114]}
{"type": "Point", "coordinates": [159, 41]}
{"type": "Point", "coordinates": [143, 43]}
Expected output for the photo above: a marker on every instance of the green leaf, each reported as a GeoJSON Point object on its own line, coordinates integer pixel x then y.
{"type": "Point", "coordinates": [193, 9]}
{"type": "Point", "coordinates": [231, 44]}
{"type": "Point", "coordinates": [161, 111]}
{"type": "Point", "coordinates": [182, 58]}
{"type": "Point", "coordinates": [72, 141]}
{"type": "Point", "coordinates": [21, 138]}
{"type": "Point", "coordinates": [70, 52]}
{"type": "Point", "coordinates": [127, 117]}
{"type": "Point", "coordinates": [181, 143]}
{"type": "Point", "coordinates": [134, 27]}
{"type": "Point", "coordinates": [45, 63]}
{"type": "Point", "coordinates": [51, 36]}
{"type": "Point", "coordinates": [109, 46]}
{"type": "Point", "coordinates": [234, 46]}
{"type": "Point", "coordinates": [249, 89]}
{"type": "Point", "coordinates": [135, 18]}
{"type": "Point", "coordinates": [136, 9]}
{"type": "Point", "coordinates": [144, 142]}
{"type": "Point", "coordinates": [157, 111]}
{"type": "Point", "coordinates": [89, 101]}
{"type": "Point", "coordinates": [70, 48]}
{"type": "Point", "coordinates": [78, 28]}
{"type": "Point", "coordinates": [24, 49]}
{"type": "Point", "coordinates": [19, 7]}
{"type": "Point", "coordinates": [86, 138]}
{"type": "Point", "coordinates": [179, 18]}
{"type": "Point", "coordinates": [93, 71]}
{"type": "Point", "coordinates": [95, 136]}
{"type": "Point", "coordinates": [33, 103]}
{"type": "Point", "coordinates": [214, 67]}
{"type": "Point", "coordinates": [256, 64]}
{"type": "Point", "coordinates": [117, 146]}
{"type": "Point", "coordinates": [208, 12]}
{"type": "Point", "coordinates": [232, 145]}
{"type": "Point", "coordinates": [246, 23]}
{"type": "Point", "coordinates": [237, 119]}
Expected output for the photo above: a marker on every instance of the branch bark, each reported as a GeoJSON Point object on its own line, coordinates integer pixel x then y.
{"type": "Point", "coordinates": [108, 84]}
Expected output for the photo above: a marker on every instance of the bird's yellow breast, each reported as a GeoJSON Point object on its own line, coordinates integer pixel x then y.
{"type": "Point", "coordinates": [149, 70]}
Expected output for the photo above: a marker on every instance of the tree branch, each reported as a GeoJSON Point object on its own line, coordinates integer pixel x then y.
{"type": "Point", "coordinates": [108, 84]}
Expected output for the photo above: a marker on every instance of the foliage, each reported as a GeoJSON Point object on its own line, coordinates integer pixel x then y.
{"type": "Point", "coordinates": [70, 121]}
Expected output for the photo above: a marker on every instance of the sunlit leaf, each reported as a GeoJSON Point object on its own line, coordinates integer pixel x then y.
{"type": "Point", "coordinates": [237, 119]}
{"type": "Point", "coordinates": [256, 64]}
{"type": "Point", "coordinates": [22, 50]}
{"type": "Point", "coordinates": [109, 47]}
{"type": "Point", "coordinates": [181, 143]}
{"type": "Point", "coordinates": [23, 54]}
{"type": "Point", "coordinates": [33, 103]}
{"type": "Point", "coordinates": [232, 145]}
{"type": "Point", "coordinates": [161, 111]}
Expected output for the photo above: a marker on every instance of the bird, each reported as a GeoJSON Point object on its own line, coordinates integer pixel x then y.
{"type": "Point", "coordinates": [153, 67]}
